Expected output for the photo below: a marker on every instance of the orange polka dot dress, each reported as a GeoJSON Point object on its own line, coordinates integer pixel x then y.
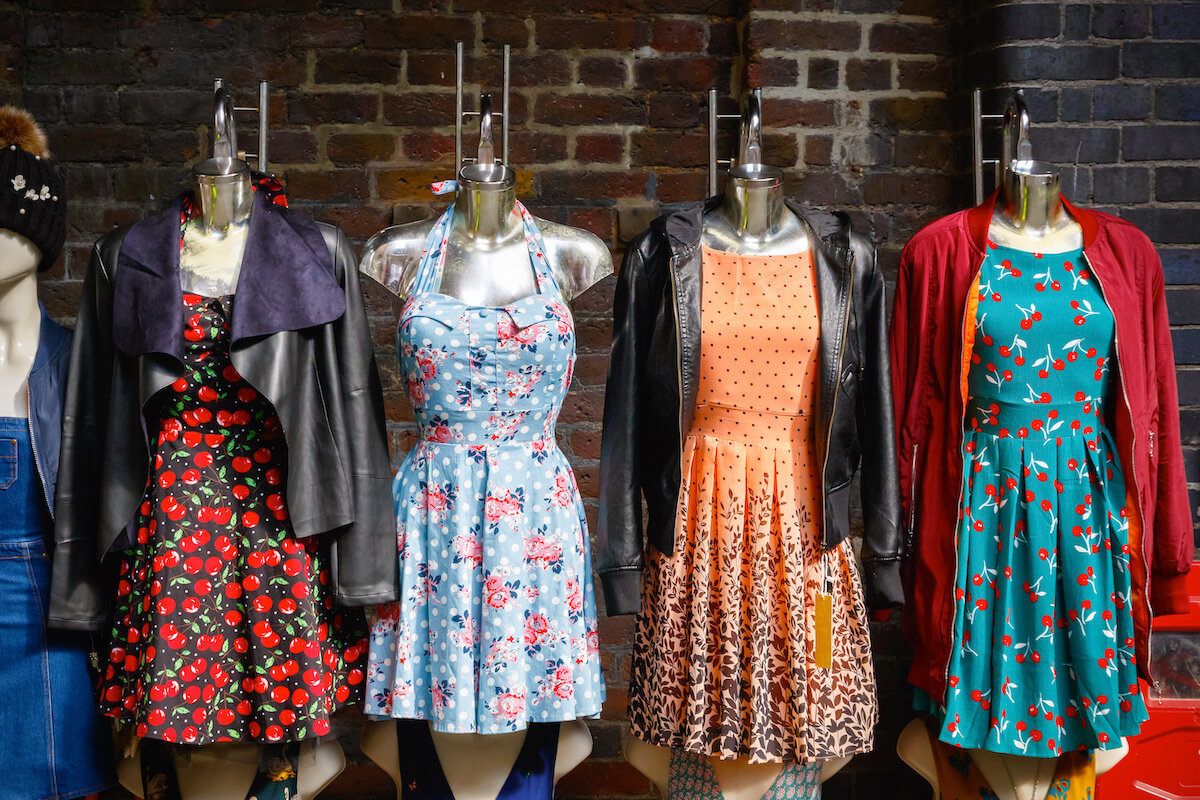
{"type": "Point", "coordinates": [726, 660]}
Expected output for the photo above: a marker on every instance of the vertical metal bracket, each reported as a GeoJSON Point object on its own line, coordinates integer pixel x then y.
{"type": "Point", "coordinates": [749, 136]}
{"type": "Point", "coordinates": [485, 108]}
{"type": "Point", "coordinates": [1014, 147]}
{"type": "Point", "coordinates": [227, 113]}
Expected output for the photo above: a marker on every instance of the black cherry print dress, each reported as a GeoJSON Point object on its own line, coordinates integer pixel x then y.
{"type": "Point", "coordinates": [225, 627]}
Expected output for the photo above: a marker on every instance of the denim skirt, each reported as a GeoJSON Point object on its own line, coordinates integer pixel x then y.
{"type": "Point", "coordinates": [53, 744]}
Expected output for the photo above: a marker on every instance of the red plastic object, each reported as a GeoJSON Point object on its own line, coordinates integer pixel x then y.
{"type": "Point", "coordinates": [1164, 760]}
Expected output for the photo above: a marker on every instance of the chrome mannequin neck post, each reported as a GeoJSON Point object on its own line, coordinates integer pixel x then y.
{"type": "Point", "coordinates": [485, 204]}
{"type": "Point", "coordinates": [1029, 213]}
{"type": "Point", "coordinates": [753, 218]}
{"type": "Point", "coordinates": [224, 198]}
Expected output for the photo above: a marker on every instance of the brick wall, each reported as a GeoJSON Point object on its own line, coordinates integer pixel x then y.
{"type": "Point", "coordinates": [864, 103]}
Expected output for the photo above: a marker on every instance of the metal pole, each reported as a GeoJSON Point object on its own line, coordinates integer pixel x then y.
{"type": "Point", "coordinates": [977, 143]}
{"type": "Point", "coordinates": [458, 106]}
{"type": "Point", "coordinates": [263, 94]}
{"type": "Point", "coordinates": [712, 142]}
{"type": "Point", "coordinates": [504, 118]}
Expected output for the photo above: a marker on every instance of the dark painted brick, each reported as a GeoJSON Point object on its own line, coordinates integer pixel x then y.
{"type": "Point", "coordinates": [1120, 185]}
{"type": "Point", "coordinates": [1160, 142]}
{"type": "Point", "coordinates": [1121, 20]}
{"type": "Point", "coordinates": [1180, 266]}
{"type": "Point", "coordinates": [1077, 22]}
{"type": "Point", "coordinates": [1188, 381]}
{"type": "Point", "coordinates": [1042, 104]}
{"type": "Point", "coordinates": [1166, 226]}
{"type": "Point", "coordinates": [1027, 21]}
{"type": "Point", "coordinates": [1075, 105]}
{"type": "Point", "coordinates": [1122, 101]}
{"type": "Point", "coordinates": [1073, 145]}
{"type": "Point", "coordinates": [868, 74]}
{"type": "Point", "coordinates": [1187, 345]}
{"type": "Point", "coordinates": [1176, 21]}
{"type": "Point", "coordinates": [822, 73]}
{"type": "Point", "coordinates": [1177, 184]}
{"type": "Point", "coordinates": [87, 104]}
{"type": "Point", "coordinates": [1177, 102]}
{"type": "Point", "coordinates": [1161, 60]}
{"type": "Point", "coordinates": [1183, 307]}
{"type": "Point", "coordinates": [1069, 62]}
{"type": "Point", "coordinates": [160, 106]}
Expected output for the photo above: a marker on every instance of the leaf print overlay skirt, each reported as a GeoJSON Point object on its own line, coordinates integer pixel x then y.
{"type": "Point", "coordinates": [728, 658]}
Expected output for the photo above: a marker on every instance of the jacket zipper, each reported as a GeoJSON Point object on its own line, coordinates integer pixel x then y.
{"type": "Point", "coordinates": [962, 479]}
{"type": "Point", "coordinates": [37, 461]}
{"type": "Point", "coordinates": [912, 503]}
{"type": "Point", "coordinates": [678, 362]}
{"type": "Point", "coordinates": [1137, 495]}
{"type": "Point", "coordinates": [837, 382]}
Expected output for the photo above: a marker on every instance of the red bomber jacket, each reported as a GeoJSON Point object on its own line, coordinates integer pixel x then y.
{"type": "Point", "coordinates": [931, 331]}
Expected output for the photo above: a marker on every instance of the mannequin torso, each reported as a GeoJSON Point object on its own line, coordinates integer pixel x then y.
{"type": "Point", "coordinates": [476, 766]}
{"type": "Point", "coordinates": [20, 320]}
{"type": "Point", "coordinates": [487, 260]}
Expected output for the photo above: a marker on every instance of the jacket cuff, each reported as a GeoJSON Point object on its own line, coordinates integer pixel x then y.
{"type": "Point", "coordinates": [622, 591]}
{"type": "Point", "coordinates": [1169, 594]}
{"type": "Point", "coordinates": [881, 583]}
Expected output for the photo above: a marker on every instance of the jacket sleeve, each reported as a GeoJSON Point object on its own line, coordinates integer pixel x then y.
{"type": "Point", "coordinates": [882, 538]}
{"type": "Point", "coordinates": [1173, 531]}
{"type": "Point", "coordinates": [364, 553]}
{"type": "Point", "coordinates": [78, 600]}
{"type": "Point", "coordinates": [619, 557]}
{"type": "Point", "coordinates": [904, 352]}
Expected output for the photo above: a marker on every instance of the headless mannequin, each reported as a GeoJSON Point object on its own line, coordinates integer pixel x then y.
{"type": "Point", "coordinates": [487, 263]}
{"type": "Point", "coordinates": [1029, 216]}
{"type": "Point", "coordinates": [209, 264]}
{"type": "Point", "coordinates": [20, 320]}
{"type": "Point", "coordinates": [751, 220]}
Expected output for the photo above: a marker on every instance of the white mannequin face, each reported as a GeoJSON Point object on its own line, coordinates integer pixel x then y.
{"type": "Point", "coordinates": [18, 256]}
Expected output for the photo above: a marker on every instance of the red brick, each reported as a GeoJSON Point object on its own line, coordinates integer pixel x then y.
{"type": "Point", "coordinates": [599, 147]}
{"type": "Point", "coordinates": [912, 113]}
{"type": "Point", "coordinates": [358, 66]}
{"type": "Point", "coordinates": [873, 73]}
{"type": "Point", "coordinates": [924, 76]}
{"type": "Point", "coordinates": [932, 151]}
{"type": "Point", "coordinates": [407, 185]}
{"type": "Point", "coordinates": [357, 221]}
{"type": "Point", "coordinates": [419, 109]}
{"type": "Point", "coordinates": [668, 148]}
{"type": "Point", "coordinates": [325, 30]}
{"type": "Point", "coordinates": [808, 35]}
{"type": "Point", "coordinates": [591, 369]}
{"type": "Point", "coordinates": [909, 37]}
{"type": "Point", "coordinates": [818, 150]}
{"type": "Point", "coordinates": [542, 69]}
{"type": "Point", "coordinates": [598, 221]}
{"type": "Point", "coordinates": [97, 142]}
{"type": "Point", "coordinates": [428, 146]}
{"type": "Point", "coordinates": [927, 188]}
{"type": "Point", "coordinates": [679, 187]}
{"type": "Point", "coordinates": [585, 444]}
{"type": "Point", "coordinates": [412, 32]}
{"type": "Point", "coordinates": [291, 147]}
{"type": "Point", "coordinates": [676, 110]}
{"type": "Point", "coordinates": [600, 71]}
{"type": "Point", "coordinates": [588, 185]}
{"type": "Point", "coordinates": [532, 147]}
{"type": "Point", "coordinates": [499, 31]}
{"type": "Point", "coordinates": [676, 35]}
{"type": "Point", "coordinates": [780, 149]}
{"type": "Point", "coordinates": [346, 149]}
{"type": "Point", "coordinates": [330, 185]}
{"type": "Point", "coordinates": [591, 33]}
{"type": "Point", "coordinates": [593, 334]}
{"type": "Point", "coordinates": [804, 113]}
{"type": "Point", "coordinates": [430, 69]}
{"type": "Point", "coordinates": [617, 778]}
{"type": "Point", "coordinates": [589, 109]}
{"type": "Point", "coordinates": [599, 298]}
{"type": "Point", "coordinates": [687, 74]}
{"type": "Point", "coordinates": [773, 71]}
{"type": "Point", "coordinates": [322, 108]}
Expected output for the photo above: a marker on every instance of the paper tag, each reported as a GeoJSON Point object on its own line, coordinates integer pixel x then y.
{"type": "Point", "coordinates": [823, 619]}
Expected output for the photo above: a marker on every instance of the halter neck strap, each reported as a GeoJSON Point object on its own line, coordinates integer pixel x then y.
{"type": "Point", "coordinates": [433, 257]}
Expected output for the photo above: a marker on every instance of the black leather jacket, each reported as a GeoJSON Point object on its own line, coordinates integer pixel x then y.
{"type": "Point", "coordinates": [300, 336]}
{"type": "Point", "coordinates": [651, 394]}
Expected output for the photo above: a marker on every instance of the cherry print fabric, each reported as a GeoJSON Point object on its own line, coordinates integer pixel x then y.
{"type": "Point", "coordinates": [225, 628]}
{"type": "Point", "coordinates": [496, 623]}
{"type": "Point", "coordinates": [724, 660]}
{"type": "Point", "coordinates": [1045, 657]}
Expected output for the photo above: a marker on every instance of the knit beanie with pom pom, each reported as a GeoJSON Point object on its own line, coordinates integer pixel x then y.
{"type": "Point", "coordinates": [33, 200]}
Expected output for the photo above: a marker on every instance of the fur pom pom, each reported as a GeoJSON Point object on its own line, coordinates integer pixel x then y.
{"type": "Point", "coordinates": [18, 127]}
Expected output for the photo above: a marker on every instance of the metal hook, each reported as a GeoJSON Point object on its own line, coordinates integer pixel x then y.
{"type": "Point", "coordinates": [487, 150]}
{"type": "Point", "coordinates": [1016, 143]}
{"type": "Point", "coordinates": [750, 137]}
{"type": "Point", "coordinates": [224, 131]}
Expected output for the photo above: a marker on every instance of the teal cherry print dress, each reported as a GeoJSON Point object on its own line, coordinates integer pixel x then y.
{"type": "Point", "coordinates": [1044, 655]}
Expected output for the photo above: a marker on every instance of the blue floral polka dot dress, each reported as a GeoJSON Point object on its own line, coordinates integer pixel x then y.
{"type": "Point", "coordinates": [496, 624]}
{"type": "Point", "coordinates": [1044, 660]}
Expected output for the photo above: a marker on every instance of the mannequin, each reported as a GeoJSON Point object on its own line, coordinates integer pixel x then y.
{"type": "Point", "coordinates": [487, 263]}
{"type": "Point", "coordinates": [1029, 216]}
{"type": "Point", "coordinates": [379, 743]}
{"type": "Point", "coordinates": [214, 241]}
{"type": "Point", "coordinates": [1011, 777]}
{"type": "Point", "coordinates": [20, 320]}
{"type": "Point", "coordinates": [739, 779]}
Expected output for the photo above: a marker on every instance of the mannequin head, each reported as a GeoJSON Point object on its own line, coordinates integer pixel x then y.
{"type": "Point", "coordinates": [19, 258]}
